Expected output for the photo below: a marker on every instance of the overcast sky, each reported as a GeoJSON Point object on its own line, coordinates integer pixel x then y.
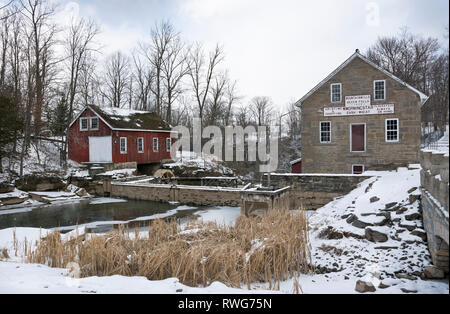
{"type": "Point", "coordinates": [276, 48]}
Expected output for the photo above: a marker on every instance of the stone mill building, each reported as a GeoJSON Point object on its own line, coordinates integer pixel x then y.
{"type": "Point", "coordinates": [360, 118]}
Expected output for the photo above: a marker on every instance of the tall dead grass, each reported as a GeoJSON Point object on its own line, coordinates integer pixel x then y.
{"type": "Point", "coordinates": [267, 249]}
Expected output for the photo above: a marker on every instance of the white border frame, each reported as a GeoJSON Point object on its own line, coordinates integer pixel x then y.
{"type": "Point", "coordinates": [126, 146]}
{"type": "Point", "coordinates": [353, 169]}
{"type": "Point", "coordinates": [98, 124]}
{"type": "Point", "coordinates": [365, 138]}
{"type": "Point", "coordinates": [375, 93]}
{"type": "Point", "coordinates": [331, 93]}
{"type": "Point", "coordinates": [320, 132]}
{"type": "Point", "coordinates": [386, 130]}
{"type": "Point", "coordinates": [143, 145]}
{"type": "Point", "coordinates": [88, 123]}
{"type": "Point", "coordinates": [157, 144]}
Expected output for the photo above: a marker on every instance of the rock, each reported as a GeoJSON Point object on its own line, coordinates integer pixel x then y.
{"type": "Point", "coordinates": [386, 248]}
{"type": "Point", "coordinates": [6, 188]}
{"type": "Point", "coordinates": [40, 183]}
{"type": "Point", "coordinates": [383, 286]}
{"type": "Point", "coordinates": [390, 205]}
{"type": "Point", "coordinates": [351, 219]}
{"type": "Point", "coordinates": [363, 287]}
{"type": "Point", "coordinates": [375, 236]}
{"type": "Point", "coordinates": [331, 234]}
{"type": "Point", "coordinates": [414, 198]}
{"type": "Point", "coordinates": [81, 192]}
{"type": "Point", "coordinates": [409, 291]}
{"type": "Point", "coordinates": [420, 234]}
{"type": "Point", "coordinates": [413, 217]}
{"type": "Point", "coordinates": [39, 198]}
{"type": "Point", "coordinates": [432, 272]}
{"type": "Point", "coordinates": [361, 225]}
{"type": "Point", "coordinates": [408, 227]}
{"type": "Point", "coordinates": [374, 199]}
{"type": "Point", "coordinates": [412, 190]}
{"type": "Point", "coordinates": [13, 200]}
{"type": "Point", "coordinates": [401, 211]}
{"type": "Point", "coordinates": [405, 276]}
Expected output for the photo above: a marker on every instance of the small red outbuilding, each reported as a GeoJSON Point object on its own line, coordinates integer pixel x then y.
{"type": "Point", "coordinates": [297, 166]}
{"type": "Point", "coordinates": [113, 135]}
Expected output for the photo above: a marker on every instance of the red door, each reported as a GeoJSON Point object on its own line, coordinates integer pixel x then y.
{"type": "Point", "coordinates": [358, 138]}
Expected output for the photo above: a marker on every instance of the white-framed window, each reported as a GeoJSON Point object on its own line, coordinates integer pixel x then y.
{"type": "Point", "coordinates": [84, 124]}
{"type": "Point", "coordinates": [94, 124]}
{"type": "Point", "coordinates": [123, 145]}
{"type": "Point", "coordinates": [336, 93]}
{"type": "Point", "coordinates": [392, 130]}
{"type": "Point", "coordinates": [155, 145]}
{"type": "Point", "coordinates": [379, 90]}
{"type": "Point", "coordinates": [140, 145]}
{"type": "Point", "coordinates": [325, 132]}
{"type": "Point", "coordinates": [168, 145]}
{"type": "Point", "coordinates": [358, 169]}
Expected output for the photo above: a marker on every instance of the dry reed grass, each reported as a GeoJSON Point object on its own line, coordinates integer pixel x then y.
{"type": "Point", "coordinates": [266, 249]}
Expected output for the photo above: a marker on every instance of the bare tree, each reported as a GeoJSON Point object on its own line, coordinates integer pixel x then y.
{"type": "Point", "coordinates": [261, 108]}
{"type": "Point", "coordinates": [202, 72]}
{"type": "Point", "coordinates": [407, 56]}
{"type": "Point", "coordinates": [232, 97]}
{"type": "Point", "coordinates": [79, 46]}
{"type": "Point", "coordinates": [116, 80]}
{"type": "Point", "coordinates": [174, 68]}
{"type": "Point", "coordinates": [144, 77]}
{"type": "Point", "coordinates": [89, 82]}
{"type": "Point", "coordinates": [216, 104]}
{"type": "Point", "coordinates": [42, 30]}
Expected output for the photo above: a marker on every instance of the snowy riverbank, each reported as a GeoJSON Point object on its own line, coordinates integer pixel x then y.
{"type": "Point", "coordinates": [373, 234]}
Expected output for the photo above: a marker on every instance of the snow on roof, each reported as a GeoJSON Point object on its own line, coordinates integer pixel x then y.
{"type": "Point", "coordinates": [129, 120]}
{"type": "Point", "coordinates": [296, 161]}
{"type": "Point", "coordinates": [357, 54]}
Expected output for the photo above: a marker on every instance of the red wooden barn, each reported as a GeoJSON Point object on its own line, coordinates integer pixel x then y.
{"type": "Point", "coordinates": [112, 135]}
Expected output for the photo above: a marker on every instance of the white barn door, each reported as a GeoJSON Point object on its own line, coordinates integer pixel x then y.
{"type": "Point", "coordinates": [100, 149]}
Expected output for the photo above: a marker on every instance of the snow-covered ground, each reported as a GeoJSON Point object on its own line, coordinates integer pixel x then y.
{"type": "Point", "coordinates": [199, 164]}
{"type": "Point", "coordinates": [387, 203]}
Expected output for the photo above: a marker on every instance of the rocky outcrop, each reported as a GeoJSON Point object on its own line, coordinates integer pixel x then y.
{"type": "Point", "coordinates": [6, 188]}
{"type": "Point", "coordinates": [40, 183]}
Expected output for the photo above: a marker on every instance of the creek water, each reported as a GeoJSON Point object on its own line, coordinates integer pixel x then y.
{"type": "Point", "coordinates": [98, 214]}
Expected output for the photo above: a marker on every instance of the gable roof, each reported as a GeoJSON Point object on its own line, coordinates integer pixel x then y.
{"type": "Point", "coordinates": [357, 54]}
{"type": "Point", "coordinates": [128, 120]}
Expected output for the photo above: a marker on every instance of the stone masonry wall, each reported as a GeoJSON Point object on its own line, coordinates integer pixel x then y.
{"type": "Point", "coordinates": [357, 79]}
{"type": "Point", "coordinates": [182, 194]}
{"type": "Point", "coordinates": [311, 192]}
{"type": "Point", "coordinates": [435, 201]}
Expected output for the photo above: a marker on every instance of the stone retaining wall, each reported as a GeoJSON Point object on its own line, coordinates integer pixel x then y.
{"type": "Point", "coordinates": [203, 196]}
{"type": "Point", "coordinates": [311, 192]}
{"type": "Point", "coordinates": [435, 201]}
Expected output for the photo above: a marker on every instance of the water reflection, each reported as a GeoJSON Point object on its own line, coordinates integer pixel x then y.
{"type": "Point", "coordinates": [100, 215]}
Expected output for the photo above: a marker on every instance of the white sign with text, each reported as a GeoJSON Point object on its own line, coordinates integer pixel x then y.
{"type": "Point", "coordinates": [359, 111]}
{"type": "Point", "coordinates": [358, 101]}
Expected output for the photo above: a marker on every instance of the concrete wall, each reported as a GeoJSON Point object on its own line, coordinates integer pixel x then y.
{"type": "Point", "coordinates": [357, 78]}
{"type": "Point", "coordinates": [311, 192]}
{"type": "Point", "coordinates": [435, 201]}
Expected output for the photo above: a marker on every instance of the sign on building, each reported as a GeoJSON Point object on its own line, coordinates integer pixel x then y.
{"type": "Point", "coordinates": [358, 101]}
{"type": "Point", "coordinates": [359, 111]}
